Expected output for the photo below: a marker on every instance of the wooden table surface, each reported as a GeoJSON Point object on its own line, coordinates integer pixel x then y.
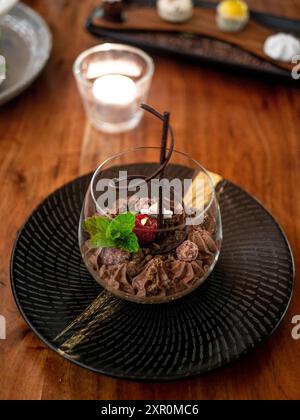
{"type": "Point", "coordinates": [245, 129]}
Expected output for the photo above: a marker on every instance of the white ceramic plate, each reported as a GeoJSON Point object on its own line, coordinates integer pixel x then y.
{"type": "Point", "coordinates": [25, 42]}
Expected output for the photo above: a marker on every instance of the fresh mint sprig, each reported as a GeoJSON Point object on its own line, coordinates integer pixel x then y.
{"type": "Point", "coordinates": [115, 233]}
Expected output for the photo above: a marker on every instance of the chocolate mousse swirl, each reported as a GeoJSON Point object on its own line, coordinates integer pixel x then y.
{"type": "Point", "coordinates": [185, 274]}
{"type": "Point", "coordinates": [204, 241]}
{"type": "Point", "coordinates": [153, 280]}
{"type": "Point", "coordinates": [115, 277]}
{"type": "Point", "coordinates": [91, 255]}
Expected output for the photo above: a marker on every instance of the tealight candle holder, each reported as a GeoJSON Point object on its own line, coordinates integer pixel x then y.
{"type": "Point", "coordinates": [113, 80]}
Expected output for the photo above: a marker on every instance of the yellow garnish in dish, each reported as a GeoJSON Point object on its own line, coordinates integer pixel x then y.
{"type": "Point", "coordinates": [234, 9]}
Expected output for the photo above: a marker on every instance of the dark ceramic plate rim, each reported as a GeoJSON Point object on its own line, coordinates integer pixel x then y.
{"type": "Point", "coordinates": [137, 377]}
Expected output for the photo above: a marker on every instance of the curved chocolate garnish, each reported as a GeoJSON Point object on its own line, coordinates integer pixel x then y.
{"type": "Point", "coordinates": [162, 166]}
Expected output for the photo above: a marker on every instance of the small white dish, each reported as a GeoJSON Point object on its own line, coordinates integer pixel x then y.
{"type": "Point", "coordinates": [175, 11]}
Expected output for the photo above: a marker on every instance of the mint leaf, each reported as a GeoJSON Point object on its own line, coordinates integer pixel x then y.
{"type": "Point", "coordinates": [115, 233]}
{"type": "Point", "coordinates": [96, 224]}
{"type": "Point", "coordinates": [97, 227]}
{"type": "Point", "coordinates": [101, 241]}
{"type": "Point", "coordinates": [129, 244]}
{"type": "Point", "coordinates": [121, 226]}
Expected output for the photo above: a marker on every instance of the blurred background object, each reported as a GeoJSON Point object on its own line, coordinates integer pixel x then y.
{"type": "Point", "coordinates": [6, 5]}
{"type": "Point", "coordinates": [25, 42]}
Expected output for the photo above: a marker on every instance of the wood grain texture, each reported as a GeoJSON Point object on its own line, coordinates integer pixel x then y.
{"type": "Point", "coordinates": [245, 129]}
{"type": "Point", "coordinates": [250, 39]}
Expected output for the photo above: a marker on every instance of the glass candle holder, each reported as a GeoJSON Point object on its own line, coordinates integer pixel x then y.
{"type": "Point", "coordinates": [113, 81]}
{"type": "Point", "coordinates": [172, 260]}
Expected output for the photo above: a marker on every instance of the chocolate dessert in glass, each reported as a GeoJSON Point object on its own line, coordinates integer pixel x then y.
{"type": "Point", "coordinates": [150, 228]}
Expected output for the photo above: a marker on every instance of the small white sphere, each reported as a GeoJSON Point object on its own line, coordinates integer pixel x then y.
{"type": "Point", "coordinates": [175, 11]}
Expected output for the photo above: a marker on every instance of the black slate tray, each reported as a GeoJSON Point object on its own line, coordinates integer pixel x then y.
{"type": "Point", "coordinates": [202, 49]}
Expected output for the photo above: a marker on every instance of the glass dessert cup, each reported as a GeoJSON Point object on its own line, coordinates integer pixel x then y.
{"type": "Point", "coordinates": [163, 257]}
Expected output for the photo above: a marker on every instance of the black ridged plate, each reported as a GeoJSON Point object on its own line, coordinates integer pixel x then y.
{"type": "Point", "coordinates": [238, 306]}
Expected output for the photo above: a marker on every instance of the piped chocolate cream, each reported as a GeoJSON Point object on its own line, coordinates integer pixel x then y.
{"type": "Point", "coordinates": [147, 274]}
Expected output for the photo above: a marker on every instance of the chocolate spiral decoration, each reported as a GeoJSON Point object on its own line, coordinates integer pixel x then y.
{"type": "Point", "coordinates": [164, 160]}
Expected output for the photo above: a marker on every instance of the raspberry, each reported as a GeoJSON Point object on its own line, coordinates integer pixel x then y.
{"type": "Point", "coordinates": [145, 228]}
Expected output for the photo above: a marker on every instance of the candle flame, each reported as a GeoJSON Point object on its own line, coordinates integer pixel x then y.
{"type": "Point", "coordinates": [115, 89]}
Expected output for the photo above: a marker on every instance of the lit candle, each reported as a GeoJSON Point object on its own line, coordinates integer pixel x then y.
{"type": "Point", "coordinates": [113, 80]}
{"type": "Point", "coordinates": [116, 97]}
